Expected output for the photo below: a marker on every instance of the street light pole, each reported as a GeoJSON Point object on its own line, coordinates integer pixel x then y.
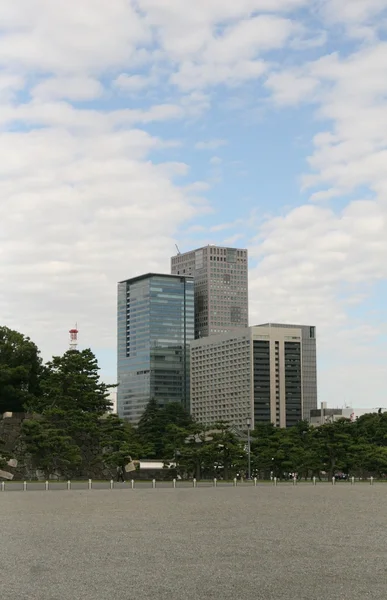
{"type": "Point", "coordinates": [248, 423]}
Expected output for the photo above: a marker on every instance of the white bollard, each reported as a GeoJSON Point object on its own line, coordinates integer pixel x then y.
{"type": "Point", "coordinates": [275, 481]}
{"type": "Point", "coordinates": [294, 480]}
{"type": "Point", "coordinates": [194, 483]}
{"type": "Point", "coordinates": [333, 480]}
{"type": "Point", "coordinates": [24, 486]}
{"type": "Point", "coordinates": [46, 486]}
{"type": "Point", "coordinates": [255, 482]}
{"type": "Point", "coordinates": [90, 484]}
{"type": "Point", "coordinates": [352, 481]}
{"type": "Point", "coordinates": [69, 485]}
{"type": "Point", "coordinates": [371, 481]}
{"type": "Point", "coordinates": [153, 483]}
{"type": "Point", "coordinates": [235, 482]}
{"type": "Point", "coordinates": [3, 486]}
{"type": "Point", "coordinates": [215, 482]}
{"type": "Point", "coordinates": [111, 484]}
{"type": "Point", "coordinates": [132, 484]}
{"type": "Point", "coordinates": [314, 481]}
{"type": "Point", "coordinates": [174, 483]}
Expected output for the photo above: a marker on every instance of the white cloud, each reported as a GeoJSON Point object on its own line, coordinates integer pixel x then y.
{"type": "Point", "coordinates": [357, 16]}
{"type": "Point", "coordinates": [77, 210]}
{"type": "Point", "coordinates": [315, 262]}
{"type": "Point", "coordinates": [291, 88]}
{"type": "Point", "coordinates": [69, 88]}
{"type": "Point", "coordinates": [9, 85]}
{"type": "Point", "coordinates": [81, 192]}
{"type": "Point", "coordinates": [133, 83]}
{"type": "Point", "coordinates": [53, 37]}
{"type": "Point", "coordinates": [210, 144]}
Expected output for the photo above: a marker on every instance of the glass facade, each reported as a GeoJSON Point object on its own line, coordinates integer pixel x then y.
{"type": "Point", "coordinates": [155, 325]}
{"type": "Point", "coordinates": [293, 383]}
{"type": "Point", "coordinates": [262, 387]}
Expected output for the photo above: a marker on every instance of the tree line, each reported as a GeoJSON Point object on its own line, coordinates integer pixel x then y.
{"type": "Point", "coordinates": [71, 432]}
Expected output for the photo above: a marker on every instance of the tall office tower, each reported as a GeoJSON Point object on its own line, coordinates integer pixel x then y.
{"type": "Point", "coordinates": [154, 328]}
{"type": "Point", "coordinates": [221, 287]}
{"type": "Point", "coordinates": [254, 373]}
{"type": "Point", "coordinates": [309, 365]}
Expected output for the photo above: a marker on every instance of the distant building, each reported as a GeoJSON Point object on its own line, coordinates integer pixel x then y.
{"type": "Point", "coordinates": [325, 414]}
{"type": "Point", "coordinates": [221, 287]}
{"type": "Point", "coordinates": [154, 328]}
{"type": "Point", "coordinates": [254, 373]}
{"type": "Point", "coordinates": [309, 365]}
{"type": "Point", "coordinates": [113, 400]}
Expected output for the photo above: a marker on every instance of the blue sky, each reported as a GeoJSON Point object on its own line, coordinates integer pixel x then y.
{"type": "Point", "coordinates": [127, 126]}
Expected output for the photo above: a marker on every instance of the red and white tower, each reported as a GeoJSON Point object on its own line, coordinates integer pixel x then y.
{"type": "Point", "coordinates": [73, 338]}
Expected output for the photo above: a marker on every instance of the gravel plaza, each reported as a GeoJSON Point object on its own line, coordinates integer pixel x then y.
{"type": "Point", "coordinates": [300, 542]}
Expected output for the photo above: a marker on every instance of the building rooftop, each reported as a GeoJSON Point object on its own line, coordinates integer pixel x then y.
{"type": "Point", "coordinates": [149, 275]}
{"type": "Point", "coordinates": [209, 246]}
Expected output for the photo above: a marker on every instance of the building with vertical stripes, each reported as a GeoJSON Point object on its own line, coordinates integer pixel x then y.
{"type": "Point", "coordinates": [254, 373]}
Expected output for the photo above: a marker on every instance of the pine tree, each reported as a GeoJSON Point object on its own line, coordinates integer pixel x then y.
{"type": "Point", "coordinates": [72, 383]}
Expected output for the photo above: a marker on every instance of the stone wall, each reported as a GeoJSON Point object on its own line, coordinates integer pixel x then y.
{"type": "Point", "coordinates": [10, 435]}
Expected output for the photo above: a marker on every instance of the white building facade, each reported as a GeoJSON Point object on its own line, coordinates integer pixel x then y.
{"type": "Point", "coordinates": [253, 373]}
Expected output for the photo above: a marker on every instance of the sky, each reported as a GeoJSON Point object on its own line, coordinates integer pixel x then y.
{"type": "Point", "coordinates": [127, 126]}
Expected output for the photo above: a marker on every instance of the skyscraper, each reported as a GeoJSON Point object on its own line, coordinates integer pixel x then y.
{"type": "Point", "coordinates": [155, 324]}
{"type": "Point", "coordinates": [221, 287]}
{"type": "Point", "coordinates": [254, 373]}
{"type": "Point", "coordinates": [309, 365]}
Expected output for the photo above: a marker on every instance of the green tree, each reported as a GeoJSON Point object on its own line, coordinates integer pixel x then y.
{"type": "Point", "coordinates": [265, 443]}
{"type": "Point", "coordinates": [154, 428]}
{"type": "Point", "coordinates": [20, 371]}
{"type": "Point", "coordinates": [192, 455]}
{"type": "Point", "coordinates": [119, 442]}
{"type": "Point", "coordinates": [51, 449]}
{"type": "Point", "coordinates": [72, 406]}
{"type": "Point", "coordinates": [224, 452]}
{"type": "Point", "coordinates": [72, 383]}
{"type": "Point", "coordinates": [334, 444]}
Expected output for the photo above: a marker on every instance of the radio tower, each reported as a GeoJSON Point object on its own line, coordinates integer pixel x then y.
{"type": "Point", "coordinates": [73, 338]}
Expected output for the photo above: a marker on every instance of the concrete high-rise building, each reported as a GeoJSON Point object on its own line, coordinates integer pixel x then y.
{"type": "Point", "coordinates": [221, 287]}
{"type": "Point", "coordinates": [309, 365]}
{"type": "Point", "coordinates": [254, 373]}
{"type": "Point", "coordinates": [155, 325]}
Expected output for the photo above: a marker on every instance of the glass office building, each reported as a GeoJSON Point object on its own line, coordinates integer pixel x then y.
{"type": "Point", "coordinates": [154, 329]}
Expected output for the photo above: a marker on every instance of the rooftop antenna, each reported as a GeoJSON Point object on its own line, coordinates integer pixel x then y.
{"type": "Point", "coordinates": [177, 248]}
{"type": "Point", "coordinates": [73, 345]}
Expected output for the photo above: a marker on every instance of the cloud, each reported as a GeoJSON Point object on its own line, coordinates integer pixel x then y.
{"type": "Point", "coordinates": [96, 184]}
{"type": "Point", "coordinates": [291, 88]}
{"type": "Point", "coordinates": [133, 83]}
{"type": "Point", "coordinates": [314, 263]}
{"type": "Point", "coordinates": [47, 37]}
{"type": "Point", "coordinates": [357, 16]}
{"type": "Point", "coordinates": [210, 144]}
{"type": "Point", "coordinates": [76, 210]}
{"type": "Point", "coordinates": [69, 88]}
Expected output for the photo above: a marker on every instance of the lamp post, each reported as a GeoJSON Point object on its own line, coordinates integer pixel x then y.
{"type": "Point", "coordinates": [248, 423]}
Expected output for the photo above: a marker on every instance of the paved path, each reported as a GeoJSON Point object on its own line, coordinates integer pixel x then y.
{"type": "Point", "coordinates": [264, 543]}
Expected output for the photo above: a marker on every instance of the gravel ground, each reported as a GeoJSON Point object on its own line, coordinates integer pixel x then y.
{"type": "Point", "coordinates": [265, 543]}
